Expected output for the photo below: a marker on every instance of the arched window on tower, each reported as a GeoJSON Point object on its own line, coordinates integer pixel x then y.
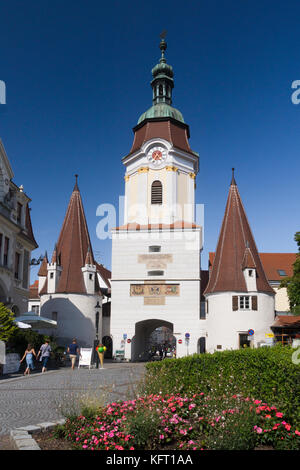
{"type": "Point", "coordinates": [160, 90]}
{"type": "Point", "coordinates": [156, 192]}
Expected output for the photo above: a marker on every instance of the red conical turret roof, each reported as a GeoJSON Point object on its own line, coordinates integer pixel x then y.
{"type": "Point", "coordinates": [236, 249]}
{"type": "Point", "coordinates": [73, 245]}
{"type": "Point", "coordinates": [43, 268]}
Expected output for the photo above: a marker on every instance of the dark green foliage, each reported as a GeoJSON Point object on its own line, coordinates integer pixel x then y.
{"type": "Point", "coordinates": [266, 374]}
{"type": "Point", "coordinates": [143, 424]}
{"type": "Point", "coordinates": [7, 325]}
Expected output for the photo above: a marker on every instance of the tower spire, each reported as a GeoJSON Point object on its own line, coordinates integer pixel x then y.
{"type": "Point", "coordinates": [162, 83]}
{"type": "Point", "coordinates": [233, 182]}
{"type": "Point", "coordinates": [76, 183]}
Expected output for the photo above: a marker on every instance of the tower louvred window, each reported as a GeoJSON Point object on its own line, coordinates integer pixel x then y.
{"type": "Point", "coordinates": [235, 302]}
{"type": "Point", "coordinates": [254, 302]}
{"type": "Point", "coordinates": [156, 192]}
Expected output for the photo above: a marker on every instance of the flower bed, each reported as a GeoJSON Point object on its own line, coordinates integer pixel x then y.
{"type": "Point", "coordinates": [184, 422]}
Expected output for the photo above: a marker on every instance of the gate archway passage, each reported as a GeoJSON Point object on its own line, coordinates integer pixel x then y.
{"type": "Point", "coordinates": [144, 337]}
{"type": "Point", "coordinates": [107, 342]}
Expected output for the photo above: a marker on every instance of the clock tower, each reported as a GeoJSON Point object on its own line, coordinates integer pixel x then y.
{"type": "Point", "coordinates": [161, 168]}
{"type": "Point", "coordinates": [156, 252]}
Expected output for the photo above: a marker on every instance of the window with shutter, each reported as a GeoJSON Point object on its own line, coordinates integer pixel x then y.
{"type": "Point", "coordinates": [254, 302]}
{"type": "Point", "coordinates": [235, 302]}
{"type": "Point", "coordinates": [156, 192]}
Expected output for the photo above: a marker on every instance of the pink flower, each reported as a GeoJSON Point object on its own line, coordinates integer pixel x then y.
{"type": "Point", "coordinates": [279, 415]}
{"type": "Point", "coordinates": [297, 432]}
{"type": "Point", "coordinates": [257, 429]}
{"type": "Point", "coordinates": [161, 436]}
{"type": "Point", "coordinates": [287, 427]}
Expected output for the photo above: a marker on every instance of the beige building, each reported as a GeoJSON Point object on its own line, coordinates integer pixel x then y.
{"type": "Point", "coordinates": [16, 239]}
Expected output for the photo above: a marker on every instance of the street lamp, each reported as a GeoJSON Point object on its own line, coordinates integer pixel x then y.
{"type": "Point", "coordinates": [97, 307]}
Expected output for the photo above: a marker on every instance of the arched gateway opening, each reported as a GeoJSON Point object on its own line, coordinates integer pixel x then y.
{"type": "Point", "coordinates": [150, 335]}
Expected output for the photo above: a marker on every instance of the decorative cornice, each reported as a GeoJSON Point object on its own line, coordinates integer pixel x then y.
{"type": "Point", "coordinates": [126, 177]}
{"type": "Point", "coordinates": [192, 175]}
{"type": "Point", "coordinates": [144, 169]}
{"type": "Point", "coordinates": [171, 168]}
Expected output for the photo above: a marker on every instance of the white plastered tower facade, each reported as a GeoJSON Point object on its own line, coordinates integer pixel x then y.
{"type": "Point", "coordinates": [156, 252]}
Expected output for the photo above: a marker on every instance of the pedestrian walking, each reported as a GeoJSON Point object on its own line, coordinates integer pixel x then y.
{"type": "Point", "coordinates": [73, 350]}
{"type": "Point", "coordinates": [45, 352]}
{"type": "Point", "coordinates": [28, 354]}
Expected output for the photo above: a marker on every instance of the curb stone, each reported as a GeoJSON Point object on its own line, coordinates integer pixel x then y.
{"type": "Point", "coordinates": [21, 438]}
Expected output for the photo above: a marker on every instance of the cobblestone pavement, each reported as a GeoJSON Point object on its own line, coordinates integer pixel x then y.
{"type": "Point", "coordinates": [46, 397]}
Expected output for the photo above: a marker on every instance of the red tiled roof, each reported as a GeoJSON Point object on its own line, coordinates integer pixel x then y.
{"type": "Point", "coordinates": [104, 273]}
{"type": "Point", "coordinates": [72, 248]}
{"type": "Point", "coordinates": [292, 321]}
{"type": "Point", "coordinates": [272, 262]}
{"type": "Point", "coordinates": [180, 224]}
{"type": "Point", "coordinates": [34, 290]}
{"type": "Point", "coordinates": [29, 232]}
{"type": "Point", "coordinates": [174, 132]}
{"type": "Point", "coordinates": [234, 239]}
{"type": "Point", "coordinates": [43, 268]}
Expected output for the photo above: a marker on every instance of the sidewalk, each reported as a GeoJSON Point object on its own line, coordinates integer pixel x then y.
{"type": "Point", "coordinates": [45, 397]}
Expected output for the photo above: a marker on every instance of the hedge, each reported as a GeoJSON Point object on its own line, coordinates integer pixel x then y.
{"type": "Point", "coordinates": [267, 374]}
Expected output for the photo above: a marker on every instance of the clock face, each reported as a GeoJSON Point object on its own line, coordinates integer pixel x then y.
{"type": "Point", "coordinates": [157, 155]}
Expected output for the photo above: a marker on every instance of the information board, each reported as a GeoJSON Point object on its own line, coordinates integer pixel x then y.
{"type": "Point", "coordinates": [86, 357]}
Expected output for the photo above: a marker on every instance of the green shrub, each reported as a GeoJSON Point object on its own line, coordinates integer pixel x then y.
{"type": "Point", "coordinates": [264, 373]}
{"type": "Point", "coordinates": [143, 424]}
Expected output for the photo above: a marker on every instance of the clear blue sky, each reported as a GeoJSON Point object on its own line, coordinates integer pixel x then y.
{"type": "Point", "coordinates": [78, 77]}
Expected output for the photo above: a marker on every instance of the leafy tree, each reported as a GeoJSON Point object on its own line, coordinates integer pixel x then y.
{"type": "Point", "coordinates": [7, 325]}
{"type": "Point", "coordinates": [292, 283]}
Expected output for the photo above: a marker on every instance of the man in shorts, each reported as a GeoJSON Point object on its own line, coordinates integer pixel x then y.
{"type": "Point", "coordinates": [73, 350]}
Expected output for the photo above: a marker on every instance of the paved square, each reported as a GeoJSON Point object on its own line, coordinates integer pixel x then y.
{"type": "Point", "coordinates": [46, 397]}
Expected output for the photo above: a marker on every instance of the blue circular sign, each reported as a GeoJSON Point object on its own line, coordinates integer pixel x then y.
{"type": "Point", "coordinates": [250, 332]}
{"type": "Point", "coordinates": [187, 335]}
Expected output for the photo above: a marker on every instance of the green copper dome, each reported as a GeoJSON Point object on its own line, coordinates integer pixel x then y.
{"type": "Point", "coordinates": [162, 85]}
{"type": "Point", "coordinates": [161, 110]}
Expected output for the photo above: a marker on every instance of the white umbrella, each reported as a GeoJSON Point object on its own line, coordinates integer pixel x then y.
{"type": "Point", "coordinates": [22, 325]}
{"type": "Point", "coordinates": [36, 321]}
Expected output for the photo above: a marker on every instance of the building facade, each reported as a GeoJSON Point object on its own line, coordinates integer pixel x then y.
{"type": "Point", "coordinates": [72, 286]}
{"type": "Point", "coordinates": [239, 299]}
{"type": "Point", "coordinates": [16, 240]}
{"type": "Point", "coordinates": [156, 252]}
{"type": "Point", "coordinates": [156, 267]}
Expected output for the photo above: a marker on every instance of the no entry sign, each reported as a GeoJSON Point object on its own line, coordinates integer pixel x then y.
{"type": "Point", "coordinates": [129, 340]}
{"type": "Point", "coordinates": [180, 341]}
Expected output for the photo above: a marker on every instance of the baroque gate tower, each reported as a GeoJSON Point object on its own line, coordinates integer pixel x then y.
{"type": "Point", "coordinates": [156, 252]}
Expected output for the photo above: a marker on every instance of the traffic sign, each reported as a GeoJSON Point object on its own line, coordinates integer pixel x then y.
{"type": "Point", "coordinates": [180, 341]}
{"type": "Point", "coordinates": [250, 332]}
{"type": "Point", "coordinates": [187, 335]}
{"type": "Point", "coordinates": [129, 340]}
